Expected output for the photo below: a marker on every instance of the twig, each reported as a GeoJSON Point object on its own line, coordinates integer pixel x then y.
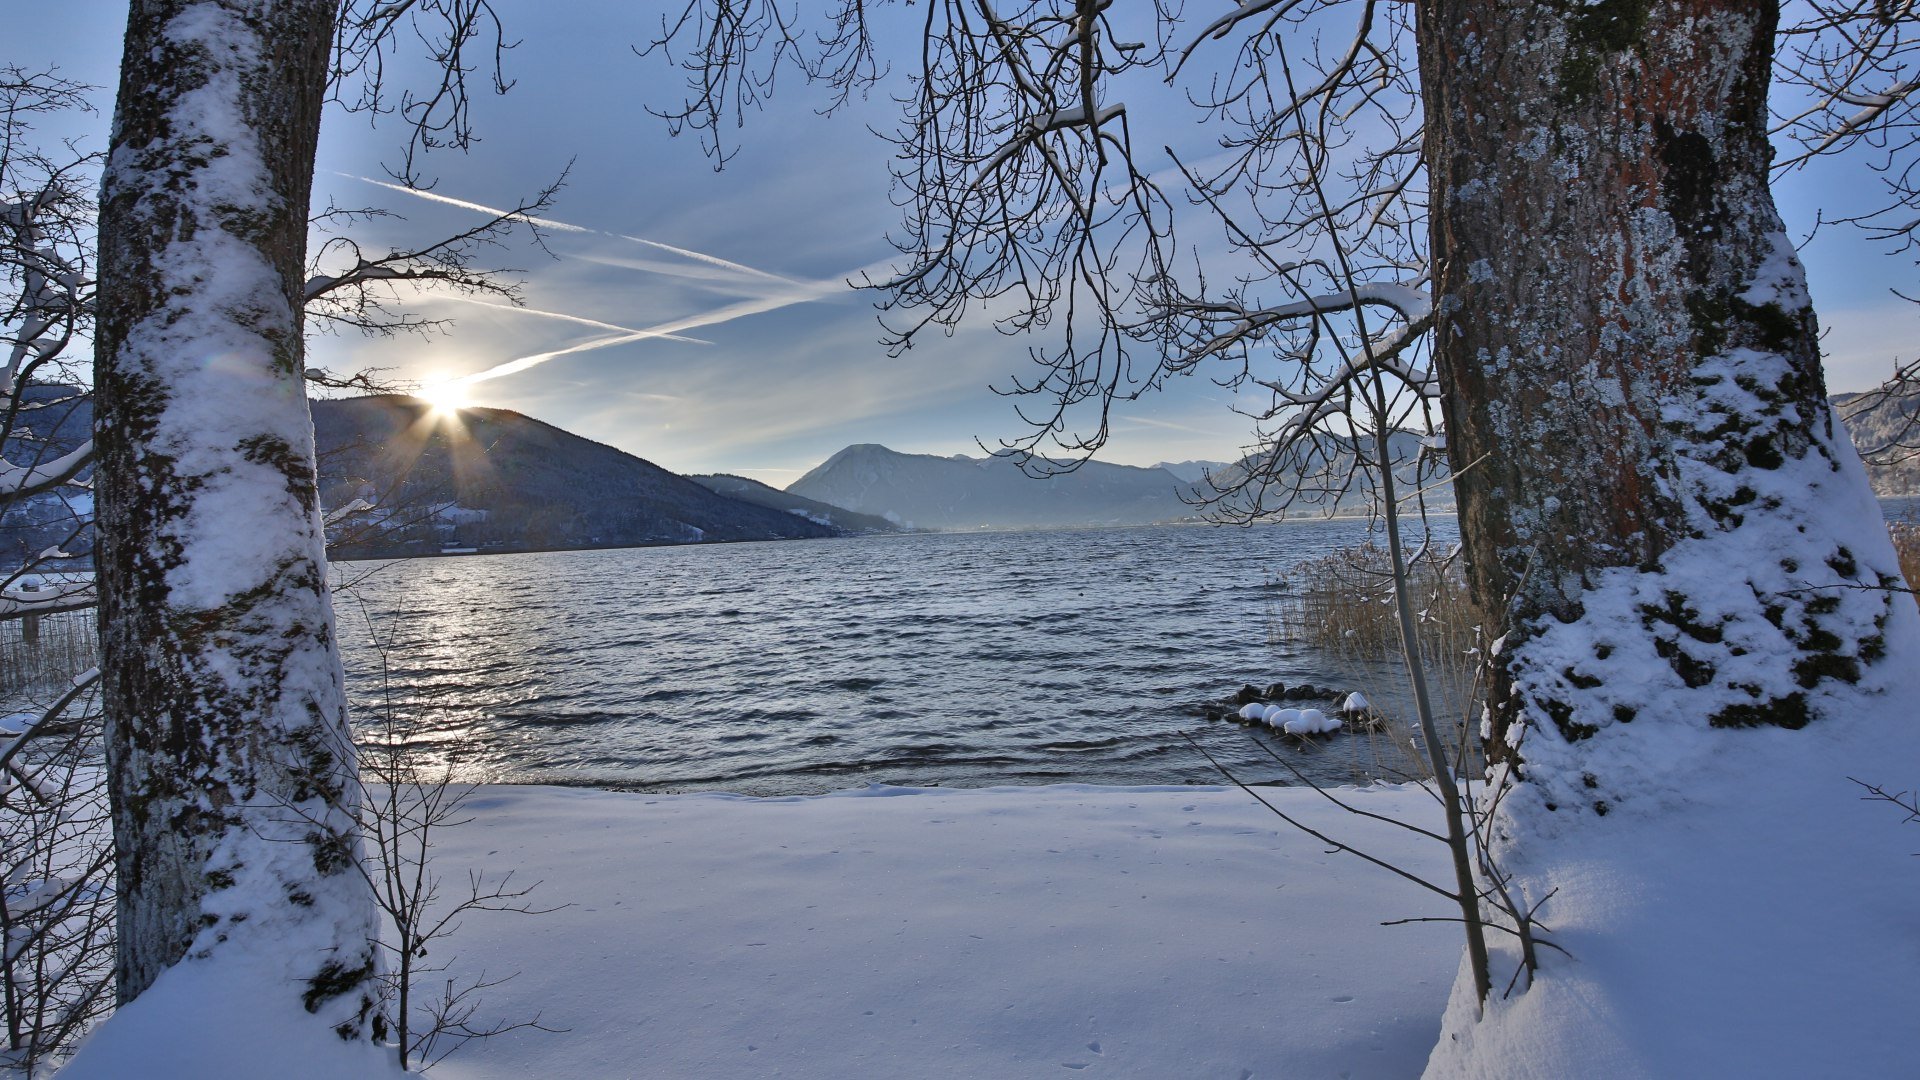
{"type": "Point", "coordinates": [1315, 833]}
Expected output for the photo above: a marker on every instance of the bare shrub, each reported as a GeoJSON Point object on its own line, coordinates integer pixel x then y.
{"type": "Point", "coordinates": [57, 896]}
{"type": "Point", "coordinates": [410, 798]}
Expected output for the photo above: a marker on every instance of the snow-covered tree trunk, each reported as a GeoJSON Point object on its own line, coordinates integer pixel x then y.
{"type": "Point", "coordinates": [232, 771]}
{"type": "Point", "coordinates": [1650, 481]}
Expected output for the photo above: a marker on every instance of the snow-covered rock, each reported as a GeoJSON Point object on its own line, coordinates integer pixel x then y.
{"type": "Point", "coordinates": [1311, 722]}
{"type": "Point", "coordinates": [1278, 716]}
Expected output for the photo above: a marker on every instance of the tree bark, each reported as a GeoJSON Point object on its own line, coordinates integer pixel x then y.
{"type": "Point", "coordinates": [1631, 373]}
{"type": "Point", "coordinates": [232, 770]}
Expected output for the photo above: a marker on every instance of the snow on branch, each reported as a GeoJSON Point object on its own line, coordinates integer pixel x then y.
{"type": "Point", "coordinates": [1036, 126]}
{"type": "Point", "coordinates": [365, 272]}
{"type": "Point", "coordinates": [80, 685]}
{"type": "Point", "coordinates": [1841, 55]}
{"type": "Point", "coordinates": [17, 481]}
{"type": "Point", "coordinates": [19, 599]}
{"type": "Point", "coordinates": [1412, 304]}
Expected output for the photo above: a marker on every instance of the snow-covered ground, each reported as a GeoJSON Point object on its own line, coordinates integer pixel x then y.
{"type": "Point", "coordinates": [1765, 925]}
{"type": "Point", "coordinates": [1011, 932]}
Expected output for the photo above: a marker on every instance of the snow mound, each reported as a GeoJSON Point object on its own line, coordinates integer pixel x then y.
{"type": "Point", "coordinates": [223, 1017]}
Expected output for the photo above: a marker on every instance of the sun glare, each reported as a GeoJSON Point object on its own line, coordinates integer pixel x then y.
{"type": "Point", "coordinates": [445, 395]}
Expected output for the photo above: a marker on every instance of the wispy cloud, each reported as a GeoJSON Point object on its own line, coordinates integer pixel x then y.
{"type": "Point", "coordinates": [828, 382]}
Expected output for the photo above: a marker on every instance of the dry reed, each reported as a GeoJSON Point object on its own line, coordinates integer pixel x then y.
{"type": "Point", "coordinates": [1906, 545]}
{"type": "Point", "coordinates": [1341, 605]}
{"type": "Point", "coordinates": [61, 647]}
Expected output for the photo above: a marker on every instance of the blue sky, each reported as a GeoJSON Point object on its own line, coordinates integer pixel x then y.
{"type": "Point", "coordinates": [790, 368]}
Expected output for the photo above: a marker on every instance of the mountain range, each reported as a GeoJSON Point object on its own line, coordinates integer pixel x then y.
{"type": "Point", "coordinates": [411, 482]}
{"type": "Point", "coordinates": [1317, 477]}
{"type": "Point", "coordinates": [753, 491]}
{"type": "Point", "coordinates": [962, 492]}
{"type": "Point", "coordinates": [1194, 471]}
{"type": "Point", "coordinates": [959, 492]}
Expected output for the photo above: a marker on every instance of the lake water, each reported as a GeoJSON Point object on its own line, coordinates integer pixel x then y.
{"type": "Point", "coordinates": [799, 667]}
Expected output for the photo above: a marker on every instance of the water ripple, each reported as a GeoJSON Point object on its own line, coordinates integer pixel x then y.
{"type": "Point", "coordinates": [780, 668]}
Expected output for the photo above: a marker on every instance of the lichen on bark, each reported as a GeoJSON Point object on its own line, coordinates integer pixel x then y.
{"type": "Point", "coordinates": [1634, 402]}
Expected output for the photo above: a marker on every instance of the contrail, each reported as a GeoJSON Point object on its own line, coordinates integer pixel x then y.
{"type": "Point", "coordinates": [563, 316]}
{"type": "Point", "coordinates": [545, 223]}
{"type": "Point", "coordinates": [1167, 424]}
{"type": "Point", "coordinates": [685, 271]}
{"type": "Point", "coordinates": [730, 312]}
{"type": "Point", "coordinates": [705, 258]}
{"type": "Point", "coordinates": [798, 292]}
{"type": "Point", "coordinates": [805, 292]}
{"type": "Point", "coordinates": [562, 226]}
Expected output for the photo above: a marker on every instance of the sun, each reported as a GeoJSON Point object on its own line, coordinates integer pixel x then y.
{"type": "Point", "coordinates": [445, 395]}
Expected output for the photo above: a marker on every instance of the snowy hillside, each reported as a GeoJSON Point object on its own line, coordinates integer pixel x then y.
{"type": "Point", "coordinates": [1881, 432]}
{"type": "Point", "coordinates": [53, 420]}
